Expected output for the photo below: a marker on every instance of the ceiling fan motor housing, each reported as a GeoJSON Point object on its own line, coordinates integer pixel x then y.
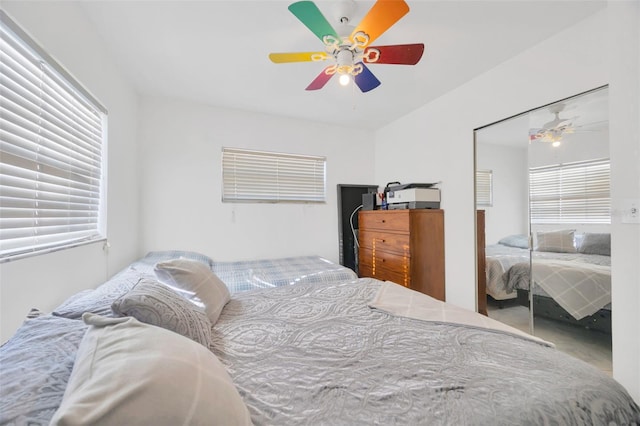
{"type": "Point", "coordinates": [344, 57]}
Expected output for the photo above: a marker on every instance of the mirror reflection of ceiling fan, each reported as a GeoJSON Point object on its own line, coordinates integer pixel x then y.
{"type": "Point", "coordinates": [554, 130]}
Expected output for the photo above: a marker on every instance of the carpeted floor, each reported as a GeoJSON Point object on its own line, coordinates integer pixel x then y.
{"type": "Point", "coordinates": [593, 347]}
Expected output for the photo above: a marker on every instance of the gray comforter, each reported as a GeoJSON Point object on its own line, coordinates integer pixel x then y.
{"type": "Point", "coordinates": [317, 354]}
{"type": "Point", "coordinates": [35, 365]}
{"type": "Point", "coordinates": [508, 269]}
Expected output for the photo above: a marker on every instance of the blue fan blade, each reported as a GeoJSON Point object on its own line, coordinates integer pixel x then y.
{"type": "Point", "coordinates": [366, 80]}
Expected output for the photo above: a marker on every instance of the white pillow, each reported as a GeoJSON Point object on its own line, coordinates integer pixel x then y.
{"type": "Point", "coordinates": [561, 241]}
{"type": "Point", "coordinates": [199, 280]}
{"type": "Point", "coordinates": [130, 373]}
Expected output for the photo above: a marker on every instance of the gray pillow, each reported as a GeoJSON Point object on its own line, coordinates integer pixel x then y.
{"type": "Point", "coordinates": [154, 303]}
{"type": "Point", "coordinates": [198, 281]}
{"type": "Point", "coordinates": [98, 301]}
{"type": "Point", "coordinates": [518, 241]}
{"type": "Point", "coordinates": [561, 241]}
{"type": "Point", "coordinates": [595, 243]}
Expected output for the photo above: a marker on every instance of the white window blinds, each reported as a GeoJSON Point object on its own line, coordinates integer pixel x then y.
{"type": "Point", "coordinates": [484, 188]}
{"type": "Point", "coordinates": [51, 145]}
{"type": "Point", "coordinates": [254, 176]}
{"type": "Point", "coordinates": [571, 193]}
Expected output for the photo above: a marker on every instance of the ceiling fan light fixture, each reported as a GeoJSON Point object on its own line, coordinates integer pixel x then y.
{"type": "Point", "coordinates": [344, 79]}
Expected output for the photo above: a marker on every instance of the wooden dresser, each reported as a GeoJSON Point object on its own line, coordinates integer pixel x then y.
{"type": "Point", "coordinates": [403, 246]}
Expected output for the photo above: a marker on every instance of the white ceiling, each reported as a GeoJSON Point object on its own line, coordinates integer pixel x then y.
{"type": "Point", "coordinates": [216, 52]}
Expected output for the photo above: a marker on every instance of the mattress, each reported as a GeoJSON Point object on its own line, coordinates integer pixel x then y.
{"type": "Point", "coordinates": [269, 273]}
{"type": "Point", "coordinates": [247, 275]}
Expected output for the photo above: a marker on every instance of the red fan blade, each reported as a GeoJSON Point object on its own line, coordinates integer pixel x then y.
{"type": "Point", "coordinates": [320, 80]}
{"type": "Point", "coordinates": [399, 54]}
{"type": "Point", "coordinates": [380, 18]}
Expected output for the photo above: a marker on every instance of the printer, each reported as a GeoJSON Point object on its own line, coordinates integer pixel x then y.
{"type": "Point", "coordinates": [413, 196]}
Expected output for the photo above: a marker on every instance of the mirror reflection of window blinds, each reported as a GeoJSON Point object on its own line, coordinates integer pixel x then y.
{"type": "Point", "coordinates": [256, 176]}
{"type": "Point", "coordinates": [484, 188]}
{"type": "Point", "coordinates": [576, 192]}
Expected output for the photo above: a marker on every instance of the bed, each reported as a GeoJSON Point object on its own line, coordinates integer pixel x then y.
{"type": "Point", "coordinates": [358, 351]}
{"type": "Point", "coordinates": [571, 272]}
{"type": "Point", "coordinates": [260, 273]}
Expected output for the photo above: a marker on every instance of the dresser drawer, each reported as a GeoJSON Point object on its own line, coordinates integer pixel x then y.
{"type": "Point", "coordinates": [374, 263]}
{"type": "Point", "coordinates": [384, 267]}
{"type": "Point", "coordinates": [388, 242]}
{"type": "Point", "coordinates": [393, 276]}
{"type": "Point", "coordinates": [390, 220]}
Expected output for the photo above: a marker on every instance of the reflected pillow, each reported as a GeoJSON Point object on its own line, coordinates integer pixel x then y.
{"type": "Point", "coordinates": [561, 241]}
{"type": "Point", "coordinates": [154, 303]}
{"type": "Point", "coordinates": [198, 281]}
{"type": "Point", "coordinates": [130, 373]}
{"type": "Point", "coordinates": [595, 243]}
{"type": "Point", "coordinates": [518, 241]}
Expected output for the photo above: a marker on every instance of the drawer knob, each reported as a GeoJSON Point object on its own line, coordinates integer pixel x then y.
{"type": "Point", "coordinates": [384, 221]}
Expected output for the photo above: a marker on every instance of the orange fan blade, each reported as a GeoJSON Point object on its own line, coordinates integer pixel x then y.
{"type": "Point", "coordinates": [281, 58]}
{"type": "Point", "coordinates": [380, 18]}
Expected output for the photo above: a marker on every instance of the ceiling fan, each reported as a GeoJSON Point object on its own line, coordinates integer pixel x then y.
{"type": "Point", "coordinates": [554, 130]}
{"type": "Point", "coordinates": [348, 49]}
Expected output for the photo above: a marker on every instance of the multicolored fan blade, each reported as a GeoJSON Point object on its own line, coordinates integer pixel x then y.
{"type": "Point", "coordinates": [281, 58]}
{"type": "Point", "coordinates": [380, 18]}
{"type": "Point", "coordinates": [366, 80]}
{"type": "Point", "coordinates": [309, 14]}
{"type": "Point", "coordinates": [535, 134]}
{"type": "Point", "coordinates": [399, 54]}
{"type": "Point", "coordinates": [320, 80]}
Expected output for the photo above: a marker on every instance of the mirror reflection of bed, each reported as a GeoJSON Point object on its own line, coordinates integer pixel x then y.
{"type": "Point", "coordinates": [542, 182]}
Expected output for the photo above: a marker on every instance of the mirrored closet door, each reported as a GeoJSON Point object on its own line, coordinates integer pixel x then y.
{"type": "Point", "coordinates": [542, 179]}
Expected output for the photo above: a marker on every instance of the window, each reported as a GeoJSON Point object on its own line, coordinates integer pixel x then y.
{"type": "Point", "coordinates": [51, 152]}
{"type": "Point", "coordinates": [484, 188]}
{"type": "Point", "coordinates": [253, 176]}
{"type": "Point", "coordinates": [570, 193]}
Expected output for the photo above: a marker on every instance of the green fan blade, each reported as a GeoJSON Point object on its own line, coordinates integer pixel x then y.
{"type": "Point", "coordinates": [309, 14]}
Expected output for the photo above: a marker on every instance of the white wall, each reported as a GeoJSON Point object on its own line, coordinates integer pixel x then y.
{"type": "Point", "coordinates": [624, 124]}
{"type": "Point", "coordinates": [435, 142]}
{"type": "Point", "coordinates": [180, 154]}
{"type": "Point", "coordinates": [509, 213]}
{"type": "Point", "coordinates": [45, 281]}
